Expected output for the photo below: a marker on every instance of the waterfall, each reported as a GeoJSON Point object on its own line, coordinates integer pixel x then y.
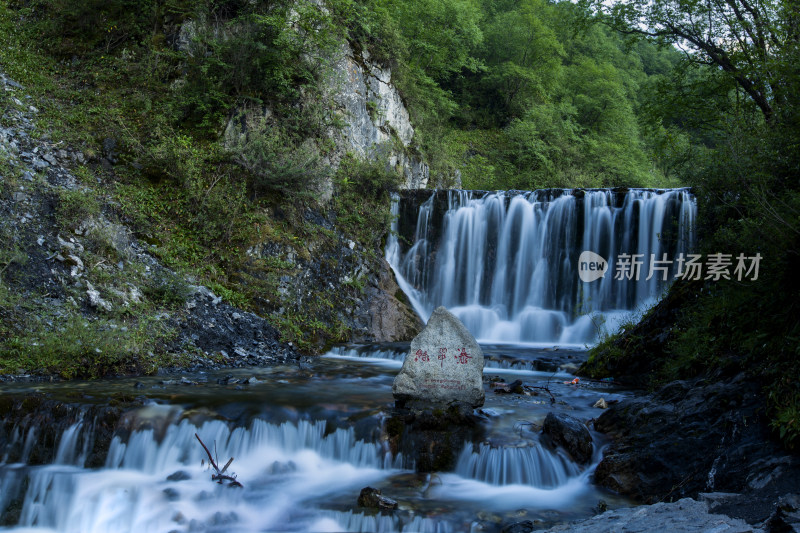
{"type": "Point", "coordinates": [506, 263]}
{"type": "Point", "coordinates": [151, 483]}
{"type": "Point", "coordinates": [531, 465]}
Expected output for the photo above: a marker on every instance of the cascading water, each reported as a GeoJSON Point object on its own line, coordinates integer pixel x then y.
{"type": "Point", "coordinates": [305, 442]}
{"type": "Point", "coordinates": [506, 263]}
{"type": "Point", "coordinates": [529, 465]}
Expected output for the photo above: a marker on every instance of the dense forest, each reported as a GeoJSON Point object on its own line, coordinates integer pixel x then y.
{"type": "Point", "coordinates": [504, 94]}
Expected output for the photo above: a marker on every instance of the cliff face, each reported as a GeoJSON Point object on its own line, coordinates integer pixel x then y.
{"type": "Point", "coordinates": [372, 123]}
{"type": "Point", "coordinates": [376, 122]}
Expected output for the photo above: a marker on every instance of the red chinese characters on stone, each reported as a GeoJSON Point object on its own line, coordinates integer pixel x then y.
{"type": "Point", "coordinates": [422, 356]}
{"type": "Point", "coordinates": [463, 357]}
{"type": "Point", "coordinates": [442, 356]}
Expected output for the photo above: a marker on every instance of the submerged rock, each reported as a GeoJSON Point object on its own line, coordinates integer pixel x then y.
{"type": "Point", "coordinates": [526, 526]}
{"type": "Point", "coordinates": [443, 366]}
{"type": "Point", "coordinates": [568, 432]}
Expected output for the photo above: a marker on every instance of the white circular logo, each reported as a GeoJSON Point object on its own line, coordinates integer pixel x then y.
{"type": "Point", "coordinates": [591, 266]}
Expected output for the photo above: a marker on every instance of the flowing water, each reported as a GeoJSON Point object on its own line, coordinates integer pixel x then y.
{"type": "Point", "coordinates": [506, 263]}
{"type": "Point", "coordinates": [305, 440]}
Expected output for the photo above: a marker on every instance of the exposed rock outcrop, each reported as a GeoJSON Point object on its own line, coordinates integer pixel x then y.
{"type": "Point", "coordinates": [374, 116]}
{"type": "Point", "coordinates": [93, 266]}
{"type": "Point", "coordinates": [683, 516]}
{"type": "Point", "coordinates": [568, 432]}
{"type": "Point", "coordinates": [694, 436]}
{"type": "Point", "coordinates": [387, 318]}
{"type": "Point", "coordinates": [375, 124]}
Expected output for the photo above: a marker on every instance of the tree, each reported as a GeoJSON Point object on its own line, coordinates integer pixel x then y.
{"type": "Point", "coordinates": [523, 57]}
{"type": "Point", "coordinates": [748, 40]}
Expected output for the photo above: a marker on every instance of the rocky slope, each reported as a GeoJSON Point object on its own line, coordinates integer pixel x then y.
{"type": "Point", "coordinates": [63, 256]}
{"type": "Point", "coordinates": [67, 255]}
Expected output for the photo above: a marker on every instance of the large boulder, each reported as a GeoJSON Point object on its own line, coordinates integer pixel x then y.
{"type": "Point", "coordinates": [568, 432]}
{"type": "Point", "coordinates": [443, 366]}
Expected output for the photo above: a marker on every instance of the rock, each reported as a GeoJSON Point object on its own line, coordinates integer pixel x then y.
{"type": "Point", "coordinates": [526, 526]}
{"type": "Point", "coordinates": [433, 437]}
{"type": "Point", "coordinates": [786, 517]}
{"type": "Point", "coordinates": [695, 436]}
{"type": "Point", "coordinates": [570, 433]}
{"type": "Point", "coordinates": [372, 498]}
{"type": "Point", "coordinates": [601, 403]}
{"type": "Point", "coordinates": [12, 83]}
{"type": "Point", "coordinates": [20, 197]}
{"type": "Point", "coordinates": [74, 260]}
{"type": "Point", "coordinates": [180, 475]}
{"type": "Point", "coordinates": [516, 387]}
{"type": "Point", "coordinates": [109, 147]}
{"type": "Point", "coordinates": [94, 298]}
{"type": "Point", "coordinates": [388, 318]}
{"type": "Point", "coordinates": [683, 516]}
{"type": "Point", "coordinates": [50, 158]}
{"type": "Point", "coordinates": [444, 365]}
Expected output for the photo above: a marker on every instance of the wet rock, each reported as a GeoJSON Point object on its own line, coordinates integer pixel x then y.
{"type": "Point", "coordinates": [433, 437]}
{"type": "Point", "coordinates": [683, 516]}
{"type": "Point", "coordinates": [786, 517]}
{"type": "Point", "coordinates": [601, 404]}
{"type": "Point", "coordinates": [389, 319]}
{"type": "Point", "coordinates": [526, 526]}
{"type": "Point", "coordinates": [444, 365]}
{"type": "Point", "coordinates": [570, 433]}
{"type": "Point", "coordinates": [372, 498]}
{"type": "Point", "coordinates": [696, 436]}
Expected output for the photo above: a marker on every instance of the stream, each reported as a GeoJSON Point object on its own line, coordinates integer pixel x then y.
{"type": "Point", "coordinates": [305, 440]}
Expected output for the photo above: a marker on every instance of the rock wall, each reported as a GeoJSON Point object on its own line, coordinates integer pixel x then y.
{"type": "Point", "coordinates": [377, 123]}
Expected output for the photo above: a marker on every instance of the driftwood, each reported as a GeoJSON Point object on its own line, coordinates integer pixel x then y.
{"type": "Point", "coordinates": [219, 476]}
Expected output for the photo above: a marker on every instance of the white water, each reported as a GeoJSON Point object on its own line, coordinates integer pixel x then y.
{"type": "Point", "coordinates": [286, 470]}
{"type": "Point", "coordinates": [507, 263]}
{"type": "Point", "coordinates": [528, 465]}
{"type": "Point", "coordinates": [303, 475]}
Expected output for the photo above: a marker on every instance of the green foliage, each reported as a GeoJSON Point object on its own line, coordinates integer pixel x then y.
{"type": "Point", "coordinates": [76, 206]}
{"type": "Point", "coordinates": [74, 347]}
{"type": "Point", "coordinates": [370, 178]}
{"type": "Point", "coordinates": [278, 163]}
{"type": "Point", "coordinates": [167, 288]}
